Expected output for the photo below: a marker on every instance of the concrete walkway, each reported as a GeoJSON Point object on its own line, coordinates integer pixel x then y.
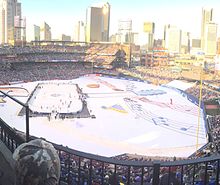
{"type": "Point", "coordinates": [7, 174]}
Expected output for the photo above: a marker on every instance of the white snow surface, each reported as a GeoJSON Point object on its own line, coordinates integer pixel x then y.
{"type": "Point", "coordinates": [182, 85]}
{"type": "Point", "coordinates": [130, 117]}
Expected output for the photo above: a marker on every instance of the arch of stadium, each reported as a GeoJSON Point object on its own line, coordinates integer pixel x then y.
{"type": "Point", "coordinates": [109, 116]}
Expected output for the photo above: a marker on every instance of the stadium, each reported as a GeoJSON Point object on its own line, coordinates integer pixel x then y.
{"type": "Point", "coordinates": [103, 120]}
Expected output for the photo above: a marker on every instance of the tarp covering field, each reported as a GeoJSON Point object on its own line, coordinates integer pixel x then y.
{"type": "Point", "coordinates": [129, 117]}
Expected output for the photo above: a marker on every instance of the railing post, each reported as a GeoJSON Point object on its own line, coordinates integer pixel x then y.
{"type": "Point", "coordinates": [156, 173]}
{"type": "Point", "coordinates": [129, 175]}
{"type": "Point", "coordinates": [217, 173]}
{"type": "Point", "coordinates": [115, 169]}
{"type": "Point", "coordinates": [79, 171]}
{"type": "Point", "coordinates": [90, 173]}
{"type": "Point", "coordinates": [142, 175]}
{"type": "Point", "coordinates": [27, 122]}
{"type": "Point", "coordinates": [182, 171]}
{"type": "Point", "coordinates": [194, 172]}
{"type": "Point", "coordinates": [206, 173]}
{"type": "Point", "coordinates": [103, 165]}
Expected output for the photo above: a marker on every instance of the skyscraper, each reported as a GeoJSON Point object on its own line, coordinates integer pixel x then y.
{"type": "Point", "coordinates": [185, 42]}
{"type": "Point", "coordinates": [17, 22]}
{"type": "Point", "coordinates": [97, 23]}
{"type": "Point", "coordinates": [8, 10]}
{"type": "Point", "coordinates": [210, 38]}
{"type": "Point", "coordinates": [124, 31]}
{"type": "Point", "coordinates": [36, 33]}
{"type": "Point", "coordinates": [149, 28]}
{"type": "Point", "coordinates": [79, 32]}
{"type": "Point", "coordinates": [45, 32]}
{"type": "Point", "coordinates": [206, 18]}
{"type": "Point", "coordinates": [172, 38]}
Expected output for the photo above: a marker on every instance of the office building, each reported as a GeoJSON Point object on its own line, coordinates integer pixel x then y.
{"type": "Point", "coordinates": [9, 9]}
{"type": "Point", "coordinates": [65, 37]}
{"type": "Point", "coordinates": [206, 18]}
{"type": "Point", "coordinates": [195, 47]}
{"type": "Point", "coordinates": [196, 43]}
{"type": "Point", "coordinates": [218, 46]}
{"type": "Point", "coordinates": [157, 57]}
{"type": "Point", "coordinates": [79, 32]}
{"type": "Point", "coordinates": [185, 42]}
{"type": "Point", "coordinates": [172, 39]}
{"type": "Point", "coordinates": [210, 39]}
{"type": "Point", "coordinates": [113, 38]}
{"type": "Point", "coordinates": [97, 23]}
{"type": "Point", "coordinates": [36, 33]}
{"type": "Point", "coordinates": [18, 23]}
{"type": "Point", "coordinates": [45, 32]}
{"type": "Point", "coordinates": [158, 43]}
{"type": "Point", "coordinates": [124, 31]}
{"type": "Point", "coordinates": [149, 28]}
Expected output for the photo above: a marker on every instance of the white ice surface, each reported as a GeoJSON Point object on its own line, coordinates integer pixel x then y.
{"type": "Point", "coordinates": [56, 97]}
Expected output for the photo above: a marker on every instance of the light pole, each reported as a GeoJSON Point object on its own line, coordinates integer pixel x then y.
{"type": "Point", "coordinates": [130, 49]}
{"type": "Point", "coordinates": [199, 111]}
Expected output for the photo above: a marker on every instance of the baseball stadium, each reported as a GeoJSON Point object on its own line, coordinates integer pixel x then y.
{"type": "Point", "coordinates": [107, 119]}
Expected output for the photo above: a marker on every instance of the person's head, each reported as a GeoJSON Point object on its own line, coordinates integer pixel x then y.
{"type": "Point", "coordinates": [36, 163]}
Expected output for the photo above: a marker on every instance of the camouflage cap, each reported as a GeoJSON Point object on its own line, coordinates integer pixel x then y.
{"type": "Point", "coordinates": [36, 162]}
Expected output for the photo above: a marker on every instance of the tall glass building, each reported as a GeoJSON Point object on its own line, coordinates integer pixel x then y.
{"type": "Point", "coordinates": [97, 23]}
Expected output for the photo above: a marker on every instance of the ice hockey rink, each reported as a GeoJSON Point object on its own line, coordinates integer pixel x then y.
{"type": "Point", "coordinates": [126, 116]}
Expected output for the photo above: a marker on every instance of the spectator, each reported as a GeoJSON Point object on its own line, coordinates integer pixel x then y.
{"type": "Point", "coordinates": [36, 163]}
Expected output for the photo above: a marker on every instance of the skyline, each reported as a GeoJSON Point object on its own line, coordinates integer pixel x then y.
{"type": "Point", "coordinates": [62, 16]}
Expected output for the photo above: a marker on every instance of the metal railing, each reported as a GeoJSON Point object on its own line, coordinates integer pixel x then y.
{"type": "Point", "coordinates": [80, 167]}
{"type": "Point", "coordinates": [9, 136]}
{"type": "Point", "coordinates": [26, 112]}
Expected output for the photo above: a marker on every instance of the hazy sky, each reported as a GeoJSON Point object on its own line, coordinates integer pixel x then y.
{"type": "Point", "coordinates": [62, 14]}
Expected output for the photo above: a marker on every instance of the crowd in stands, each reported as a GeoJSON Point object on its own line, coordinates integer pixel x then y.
{"type": "Point", "coordinates": [43, 57]}
{"type": "Point", "coordinates": [72, 167]}
{"type": "Point", "coordinates": [97, 53]}
{"type": "Point", "coordinates": [214, 123]}
{"type": "Point", "coordinates": [16, 50]}
{"type": "Point", "coordinates": [110, 178]}
{"type": "Point", "coordinates": [105, 172]}
{"type": "Point", "coordinates": [153, 75]}
{"type": "Point", "coordinates": [47, 71]}
{"type": "Point", "coordinates": [32, 71]}
{"type": "Point", "coordinates": [163, 76]}
{"type": "Point", "coordinates": [207, 94]}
